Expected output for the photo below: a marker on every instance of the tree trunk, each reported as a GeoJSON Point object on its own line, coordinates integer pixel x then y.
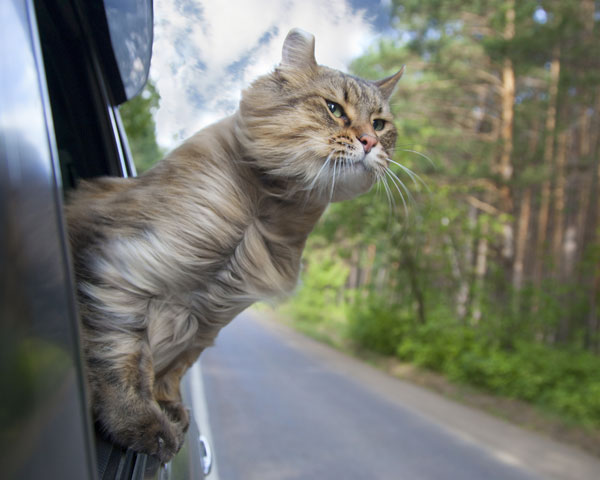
{"type": "Point", "coordinates": [413, 277]}
{"type": "Point", "coordinates": [587, 139]}
{"type": "Point", "coordinates": [587, 15]}
{"type": "Point", "coordinates": [505, 166]}
{"type": "Point", "coordinates": [371, 252]}
{"type": "Point", "coordinates": [559, 204]}
{"type": "Point", "coordinates": [593, 323]}
{"type": "Point", "coordinates": [521, 243]}
{"type": "Point", "coordinates": [588, 143]}
{"type": "Point", "coordinates": [354, 268]}
{"type": "Point", "coordinates": [542, 224]}
{"type": "Point", "coordinates": [462, 297]}
{"type": "Point", "coordinates": [593, 320]}
{"type": "Point", "coordinates": [524, 220]}
{"type": "Point", "coordinates": [480, 271]}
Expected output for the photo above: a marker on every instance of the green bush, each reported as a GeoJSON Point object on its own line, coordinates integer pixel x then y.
{"type": "Point", "coordinates": [560, 380]}
{"type": "Point", "coordinates": [377, 328]}
{"type": "Point", "coordinates": [435, 345]}
{"type": "Point", "coordinates": [318, 298]}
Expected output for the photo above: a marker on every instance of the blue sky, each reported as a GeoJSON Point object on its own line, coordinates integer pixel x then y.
{"type": "Point", "coordinates": [206, 52]}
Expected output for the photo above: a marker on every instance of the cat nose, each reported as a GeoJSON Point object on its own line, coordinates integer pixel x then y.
{"type": "Point", "coordinates": [368, 141]}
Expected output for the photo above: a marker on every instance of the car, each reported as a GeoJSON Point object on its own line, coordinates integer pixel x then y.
{"type": "Point", "coordinates": [65, 67]}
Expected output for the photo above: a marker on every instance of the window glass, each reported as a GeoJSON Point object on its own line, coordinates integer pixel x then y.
{"type": "Point", "coordinates": [131, 31]}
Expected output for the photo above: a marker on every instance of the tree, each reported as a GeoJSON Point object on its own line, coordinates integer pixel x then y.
{"type": "Point", "coordinates": [138, 120]}
{"type": "Point", "coordinates": [505, 96]}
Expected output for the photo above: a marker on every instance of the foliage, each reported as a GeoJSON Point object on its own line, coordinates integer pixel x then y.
{"type": "Point", "coordinates": [328, 276]}
{"type": "Point", "coordinates": [563, 381]}
{"type": "Point", "coordinates": [138, 120]}
{"type": "Point", "coordinates": [376, 328]}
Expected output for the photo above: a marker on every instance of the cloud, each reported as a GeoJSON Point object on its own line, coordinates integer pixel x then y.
{"type": "Point", "coordinates": [205, 53]}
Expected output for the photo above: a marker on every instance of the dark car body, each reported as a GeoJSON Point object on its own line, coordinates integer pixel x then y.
{"type": "Point", "coordinates": [65, 66]}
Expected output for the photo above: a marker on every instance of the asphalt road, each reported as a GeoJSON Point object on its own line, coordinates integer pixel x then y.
{"type": "Point", "coordinates": [284, 407]}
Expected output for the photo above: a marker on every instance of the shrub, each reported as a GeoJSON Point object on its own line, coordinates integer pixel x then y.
{"type": "Point", "coordinates": [318, 297]}
{"type": "Point", "coordinates": [377, 328]}
{"type": "Point", "coordinates": [562, 381]}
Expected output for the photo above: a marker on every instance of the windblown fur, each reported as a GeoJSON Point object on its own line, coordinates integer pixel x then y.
{"type": "Point", "coordinates": [165, 260]}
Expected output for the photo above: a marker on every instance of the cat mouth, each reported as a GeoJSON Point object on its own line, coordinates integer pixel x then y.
{"type": "Point", "coordinates": [349, 170]}
{"type": "Point", "coordinates": [358, 165]}
{"type": "Point", "coordinates": [342, 177]}
{"type": "Point", "coordinates": [351, 163]}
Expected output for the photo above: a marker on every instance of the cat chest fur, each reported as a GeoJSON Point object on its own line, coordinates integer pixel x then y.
{"type": "Point", "coordinates": [262, 265]}
{"type": "Point", "coordinates": [202, 256]}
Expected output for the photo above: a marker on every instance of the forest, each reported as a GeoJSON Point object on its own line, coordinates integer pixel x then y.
{"type": "Point", "coordinates": [484, 265]}
{"type": "Point", "coordinates": [488, 269]}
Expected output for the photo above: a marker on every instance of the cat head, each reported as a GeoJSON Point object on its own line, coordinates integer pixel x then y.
{"type": "Point", "coordinates": [318, 129]}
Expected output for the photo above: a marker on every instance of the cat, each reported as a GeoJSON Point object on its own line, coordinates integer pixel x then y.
{"type": "Point", "coordinates": [163, 261]}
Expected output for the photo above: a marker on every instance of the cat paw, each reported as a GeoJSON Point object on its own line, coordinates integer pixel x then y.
{"type": "Point", "coordinates": [156, 436]}
{"type": "Point", "coordinates": [162, 441]}
{"type": "Point", "coordinates": [178, 413]}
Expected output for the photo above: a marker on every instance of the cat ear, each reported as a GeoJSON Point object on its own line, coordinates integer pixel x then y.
{"type": "Point", "coordinates": [387, 85]}
{"type": "Point", "coordinates": [299, 49]}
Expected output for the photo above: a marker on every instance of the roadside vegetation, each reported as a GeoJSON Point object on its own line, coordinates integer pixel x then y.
{"type": "Point", "coordinates": [138, 120]}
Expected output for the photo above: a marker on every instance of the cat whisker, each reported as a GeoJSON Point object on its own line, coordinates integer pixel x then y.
{"type": "Point", "coordinates": [310, 188]}
{"type": "Point", "coordinates": [390, 199]}
{"type": "Point", "coordinates": [380, 177]}
{"type": "Point", "coordinates": [333, 180]}
{"type": "Point", "coordinates": [393, 178]}
{"type": "Point", "coordinates": [404, 145]}
{"type": "Point", "coordinates": [413, 176]}
{"type": "Point", "coordinates": [404, 187]}
{"type": "Point", "coordinates": [348, 163]}
{"type": "Point", "coordinates": [420, 154]}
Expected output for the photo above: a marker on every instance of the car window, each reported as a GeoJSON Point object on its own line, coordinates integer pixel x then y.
{"type": "Point", "coordinates": [83, 119]}
{"type": "Point", "coordinates": [130, 28]}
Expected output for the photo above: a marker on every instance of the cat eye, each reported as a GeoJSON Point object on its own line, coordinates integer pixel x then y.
{"type": "Point", "coordinates": [378, 124]}
{"type": "Point", "coordinates": [335, 109]}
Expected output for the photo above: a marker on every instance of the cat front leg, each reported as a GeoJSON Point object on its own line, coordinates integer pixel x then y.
{"type": "Point", "coordinates": [167, 388]}
{"type": "Point", "coordinates": [122, 382]}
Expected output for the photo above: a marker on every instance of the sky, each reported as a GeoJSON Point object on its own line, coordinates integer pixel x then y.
{"type": "Point", "coordinates": [206, 51]}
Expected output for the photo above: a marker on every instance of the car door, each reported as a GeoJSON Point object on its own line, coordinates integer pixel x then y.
{"type": "Point", "coordinates": [61, 80]}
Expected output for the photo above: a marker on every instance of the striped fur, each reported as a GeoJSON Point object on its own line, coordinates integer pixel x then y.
{"type": "Point", "coordinates": [165, 260]}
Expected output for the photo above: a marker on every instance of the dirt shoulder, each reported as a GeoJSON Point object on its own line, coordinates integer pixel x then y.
{"type": "Point", "coordinates": [515, 411]}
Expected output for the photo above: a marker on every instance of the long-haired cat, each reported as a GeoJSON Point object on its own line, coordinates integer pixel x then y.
{"type": "Point", "coordinates": [165, 260]}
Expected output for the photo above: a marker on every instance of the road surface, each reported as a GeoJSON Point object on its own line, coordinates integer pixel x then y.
{"type": "Point", "coordinates": [283, 407]}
